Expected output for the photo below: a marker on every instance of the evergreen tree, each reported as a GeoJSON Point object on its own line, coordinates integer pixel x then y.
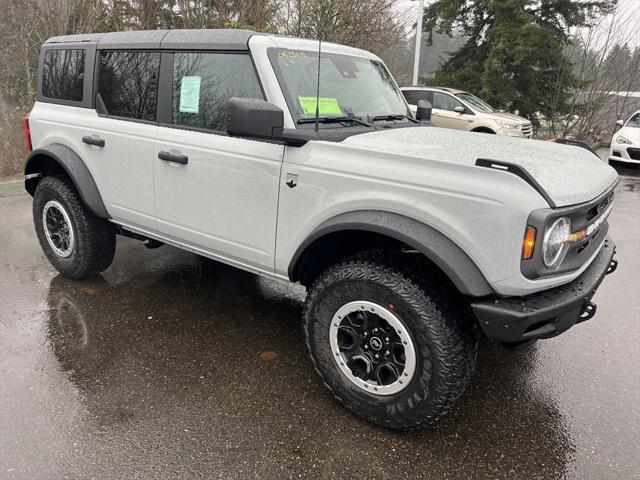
{"type": "Point", "coordinates": [514, 54]}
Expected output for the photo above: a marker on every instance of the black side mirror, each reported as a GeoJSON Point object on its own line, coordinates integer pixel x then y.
{"type": "Point", "coordinates": [252, 117]}
{"type": "Point", "coordinates": [423, 112]}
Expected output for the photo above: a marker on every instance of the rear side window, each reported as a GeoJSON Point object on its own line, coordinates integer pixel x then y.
{"type": "Point", "coordinates": [128, 83]}
{"type": "Point", "coordinates": [204, 82]}
{"type": "Point", "coordinates": [63, 74]}
{"type": "Point", "coordinates": [414, 96]}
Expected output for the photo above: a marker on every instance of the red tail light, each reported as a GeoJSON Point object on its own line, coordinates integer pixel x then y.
{"type": "Point", "coordinates": [27, 133]}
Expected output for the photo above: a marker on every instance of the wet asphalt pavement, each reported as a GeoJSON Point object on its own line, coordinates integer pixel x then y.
{"type": "Point", "coordinates": [170, 366]}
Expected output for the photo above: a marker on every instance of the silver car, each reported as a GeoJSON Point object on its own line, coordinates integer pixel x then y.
{"type": "Point", "coordinates": [464, 111]}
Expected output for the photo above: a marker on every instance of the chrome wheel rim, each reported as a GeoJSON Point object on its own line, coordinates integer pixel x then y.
{"type": "Point", "coordinates": [58, 229]}
{"type": "Point", "coordinates": [372, 348]}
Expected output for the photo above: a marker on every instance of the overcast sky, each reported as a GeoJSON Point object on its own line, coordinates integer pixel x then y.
{"type": "Point", "coordinates": [626, 20]}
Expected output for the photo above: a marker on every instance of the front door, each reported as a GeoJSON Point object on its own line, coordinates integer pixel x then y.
{"type": "Point", "coordinates": [215, 193]}
{"type": "Point", "coordinates": [444, 114]}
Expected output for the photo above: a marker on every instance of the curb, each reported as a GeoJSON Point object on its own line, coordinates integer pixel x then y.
{"type": "Point", "coordinates": [12, 188]}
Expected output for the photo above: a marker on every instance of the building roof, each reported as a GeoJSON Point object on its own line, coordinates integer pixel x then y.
{"type": "Point", "coordinates": [217, 39]}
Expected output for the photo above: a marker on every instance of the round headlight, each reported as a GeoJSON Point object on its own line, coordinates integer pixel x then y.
{"type": "Point", "coordinates": [554, 245]}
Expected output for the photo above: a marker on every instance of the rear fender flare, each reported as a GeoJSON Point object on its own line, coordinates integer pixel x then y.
{"type": "Point", "coordinates": [39, 163]}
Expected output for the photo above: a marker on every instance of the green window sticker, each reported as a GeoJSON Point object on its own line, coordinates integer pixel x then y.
{"type": "Point", "coordinates": [326, 105]}
{"type": "Point", "coordinates": [190, 94]}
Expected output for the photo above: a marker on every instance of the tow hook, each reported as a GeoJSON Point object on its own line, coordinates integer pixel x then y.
{"type": "Point", "coordinates": [612, 266]}
{"type": "Point", "coordinates": [588, 311]}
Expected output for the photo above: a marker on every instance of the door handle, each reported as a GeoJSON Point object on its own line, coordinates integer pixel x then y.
{"type": "Point", "coordinates": [98, 142]}
{"type": "Point", "coordinates": [173, 157]}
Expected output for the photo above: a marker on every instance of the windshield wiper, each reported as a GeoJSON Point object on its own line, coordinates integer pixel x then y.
{"type": "Point", "coordinates": [339, 119]}
{"type": "Point", "coordinates": [394, 116]}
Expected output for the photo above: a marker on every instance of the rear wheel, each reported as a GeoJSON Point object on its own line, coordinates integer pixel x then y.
{"type": "Point", "coordinates": [394, 348]}
{"type": "Point", "coordinates": [76, 242]}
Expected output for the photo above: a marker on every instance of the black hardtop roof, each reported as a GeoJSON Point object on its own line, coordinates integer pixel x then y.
{"type": "Point", "coordinates": [216, 39]}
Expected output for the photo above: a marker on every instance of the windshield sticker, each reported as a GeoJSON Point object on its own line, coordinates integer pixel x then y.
{"type": "Point", "coordinates": [190, 94]}
{"type": "Point", "coordinates": [326, 105]}
{"type": "Point", "coordinates": [291, 53]}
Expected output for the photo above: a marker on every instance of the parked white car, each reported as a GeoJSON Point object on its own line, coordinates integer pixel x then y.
{"type": "Point", "coordinates": [625, 143]}
{"type": "Point", "coordinates": [464, 111]}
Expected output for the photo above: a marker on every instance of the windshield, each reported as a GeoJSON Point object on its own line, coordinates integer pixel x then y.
{"type": "Point", "coordinates": [634, 121]}
{"type": "Point", "coordinates": [349, 86]}
{"type": "Point", "coordinates": [475, 102]}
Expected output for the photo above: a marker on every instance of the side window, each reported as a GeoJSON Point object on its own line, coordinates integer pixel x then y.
{"type": "Point", "coordinates": [443, 101]}
{"type": "Point", "coordinates": [63, 74]}
{"type": "Point", "coordinates": [410, 96]}
{"type": "Point", "coordinates": [414, 96]}
{"type": "Point", "coordinates": [128, 83]}
{"type": "Point", "coordinates": [204, 82]}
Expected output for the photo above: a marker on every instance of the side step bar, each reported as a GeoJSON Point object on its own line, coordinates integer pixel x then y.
{"type": "Point", "coordinates": [146, 241]}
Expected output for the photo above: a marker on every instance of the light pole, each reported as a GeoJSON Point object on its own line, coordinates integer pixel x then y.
{"type": "Point", "coordinates": [416, 58]}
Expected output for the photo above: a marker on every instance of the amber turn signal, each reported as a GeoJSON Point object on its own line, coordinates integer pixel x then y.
{"type": "Point", "coordinates": [528, 243]}
{"type": "Point", "coordinates": [577, 236]}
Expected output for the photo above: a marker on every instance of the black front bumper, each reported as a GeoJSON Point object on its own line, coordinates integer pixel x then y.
{"type": "Point", "coordinates": [550, 312]}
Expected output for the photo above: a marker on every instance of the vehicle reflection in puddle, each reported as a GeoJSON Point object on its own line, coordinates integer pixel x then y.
{"type": "Point", "coordinates": [184, 346]}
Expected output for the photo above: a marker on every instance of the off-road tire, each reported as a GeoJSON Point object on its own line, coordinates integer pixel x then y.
{"type": "Point", "coordinates": [95, 238]}
{"type": "Point", "coordinates": [443, 332]}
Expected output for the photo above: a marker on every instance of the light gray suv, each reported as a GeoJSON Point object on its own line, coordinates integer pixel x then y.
{"type": "Point", "coordinates": [413, 241]}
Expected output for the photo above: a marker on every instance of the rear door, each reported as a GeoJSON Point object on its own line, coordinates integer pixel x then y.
{"type": "Point", "coordinates": [118, 138]}
{"type": "Point", "coordinates": [414, 96]}
{"type": "Point", "coordinates": [214, 193]}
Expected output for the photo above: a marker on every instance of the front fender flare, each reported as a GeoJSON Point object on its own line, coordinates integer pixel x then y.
{"type": "Point", "coordinates": [442, 251]}
{"type": "Point", "coordinates": [38, 162]}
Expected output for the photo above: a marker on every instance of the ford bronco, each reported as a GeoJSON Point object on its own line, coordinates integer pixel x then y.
{"type": "Point", "coordinates": [303, 162]}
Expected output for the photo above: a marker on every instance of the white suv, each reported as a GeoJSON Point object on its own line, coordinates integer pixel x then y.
{"type": "Point", "coordinates": [464, 111]}
{"type": "Point", "coordinates": [412, 240]}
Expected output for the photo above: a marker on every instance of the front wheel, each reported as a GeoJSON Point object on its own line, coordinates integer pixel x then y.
{"type": "Point", "coordinates": [393, 347]}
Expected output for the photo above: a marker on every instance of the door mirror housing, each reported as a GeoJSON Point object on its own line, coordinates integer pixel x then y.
{"type": "Point", "coordinates": [620, 123]}
{"type": "Point", "coordinates": [423, 111]}
{"type": "Point", "coordinates": [254, 118]}
{"type": "Point", "coordinates": [459, 109]}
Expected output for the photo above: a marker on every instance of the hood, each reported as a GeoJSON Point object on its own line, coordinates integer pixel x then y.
{"type": "Point", "coordinates": [505, 116]}
{"type": "Point", "coordinates": [568, 174]}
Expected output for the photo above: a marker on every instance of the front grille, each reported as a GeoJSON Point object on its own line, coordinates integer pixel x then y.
{"type": "Point", "coordinates": [526, 129]}
{"type": "Point", "coordinates": [634, 153]}
{"type": "Point", "coordinates": [599, 208]}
